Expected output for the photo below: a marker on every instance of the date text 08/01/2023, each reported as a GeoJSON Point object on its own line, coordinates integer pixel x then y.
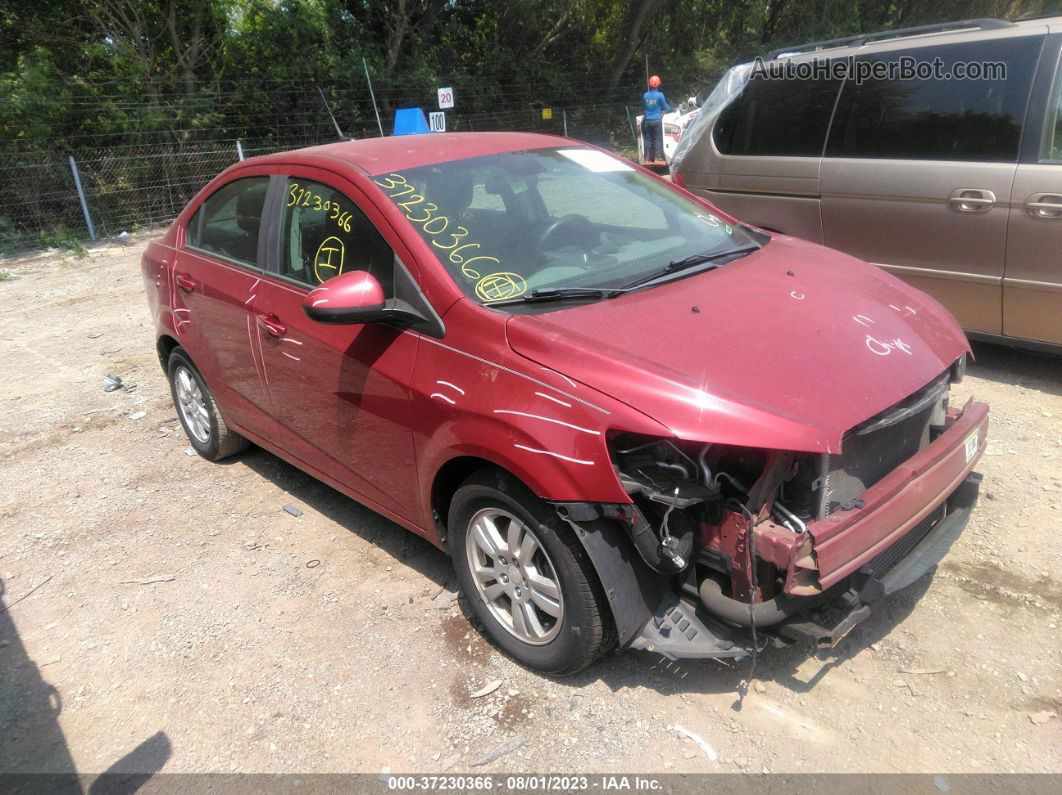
{"type": "Point", "coordinates": [521, 783]}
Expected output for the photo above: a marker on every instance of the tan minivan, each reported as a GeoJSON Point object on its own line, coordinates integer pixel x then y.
{"type": "Point", "coordinates": [948, 175]}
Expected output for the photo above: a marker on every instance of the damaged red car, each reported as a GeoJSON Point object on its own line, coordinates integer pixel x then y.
{"type": "Point", "coordinates": [631, 420]}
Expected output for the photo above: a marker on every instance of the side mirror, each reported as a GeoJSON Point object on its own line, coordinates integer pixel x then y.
{"type": "Point", "coordinates": [353, 297]}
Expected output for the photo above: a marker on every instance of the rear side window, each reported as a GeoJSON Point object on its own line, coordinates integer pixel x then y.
{"type": "Point", "coordinates": [940, 117]}
{"type": "Point", "coordinates": [1053, 140]}
{"type": "Point", "coordinates": [777, 117]}
{"type": "Point", "coordinates": [227, 223]}
{"type": "Point", "coordinates": [324, 234]}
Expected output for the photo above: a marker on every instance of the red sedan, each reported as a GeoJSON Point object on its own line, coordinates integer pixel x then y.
{"type": "Point", "coordinates": [630, 419]}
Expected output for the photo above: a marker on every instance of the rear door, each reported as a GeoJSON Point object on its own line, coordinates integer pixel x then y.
{"type": "Point", "coordinates": [918, 170]}
{"type": "Point", "coordinates": [341, 391]}
{"type": "Point", "coordinates": [1032, 283]}
{"type": "Point", "coordinates": [216, 277]}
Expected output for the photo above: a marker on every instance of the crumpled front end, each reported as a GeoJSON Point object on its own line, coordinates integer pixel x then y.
{"type": "Point", "coordinates": [757, 541]}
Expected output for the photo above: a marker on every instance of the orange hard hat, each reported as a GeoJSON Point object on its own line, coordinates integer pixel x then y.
{"type": "Point", "coordinates": [654, 81]}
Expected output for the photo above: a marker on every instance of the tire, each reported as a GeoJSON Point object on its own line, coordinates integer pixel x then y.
{"type": "Point", "coordinates": [199, 415]}
{"type": "Point", "coordinates": [516, 602]}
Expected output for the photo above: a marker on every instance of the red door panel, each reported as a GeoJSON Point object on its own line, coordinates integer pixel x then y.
{"type": "Point", "coordinates": [213, 303]}
{"type": "Point", "coordinates": [342, 394]}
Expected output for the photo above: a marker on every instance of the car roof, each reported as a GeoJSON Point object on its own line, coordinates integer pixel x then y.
{"type": "Point", "coordinates": [911, 38]}
{"type": "Point", "coordinates": [392, 153]}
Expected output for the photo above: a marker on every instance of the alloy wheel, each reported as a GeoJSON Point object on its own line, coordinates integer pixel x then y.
{"type": "Point", "coordinates": [192, 404]}
{"type": "Point", "coordinates": [514, 576]}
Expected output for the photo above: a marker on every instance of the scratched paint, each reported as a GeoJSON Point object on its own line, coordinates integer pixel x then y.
{"type": "Point", "coordinates": [547, 419]}
{"type": "Point", "coordinates": [555, 455]}
{"type": "Point", "coordinates": [452, 386]}
{"type": "Point", "coordinates": [555, 400]}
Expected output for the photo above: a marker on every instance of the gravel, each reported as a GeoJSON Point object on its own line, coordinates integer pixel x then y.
{"type": "Point", "coordinates": [183, 619]}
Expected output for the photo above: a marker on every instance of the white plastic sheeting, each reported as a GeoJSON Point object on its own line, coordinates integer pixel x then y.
{"type": "Point", "coordinates": [730, 84]}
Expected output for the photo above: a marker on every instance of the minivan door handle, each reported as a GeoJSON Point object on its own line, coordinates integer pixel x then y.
{"type": "Point", "coordinates": [972, 200]}
{"type": "Point", "coordinates": [1044, 205]}
{"type": "Point", "coordinates": [185, 282]}
{"type": "Point", "coordinates": [272, 325]}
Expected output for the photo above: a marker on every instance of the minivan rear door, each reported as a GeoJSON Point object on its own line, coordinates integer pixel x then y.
{"type": "Point", "coordinates": [1032, 283]}
{"type": "Point", "coordinates": [918, 167]}
{"type": "Point", "coordinates": [761, 161]}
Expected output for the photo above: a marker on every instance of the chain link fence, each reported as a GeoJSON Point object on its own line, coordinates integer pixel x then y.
{"type": "Point", "coordinates": [127, 187]}
{"type": "Point", "coordinates": [124, 187]}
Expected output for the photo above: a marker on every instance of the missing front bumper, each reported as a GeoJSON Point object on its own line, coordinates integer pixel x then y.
{"type": "Point", "coordinates": [885, 575]}
{"type": "Point", "coordinates": [680, 629]}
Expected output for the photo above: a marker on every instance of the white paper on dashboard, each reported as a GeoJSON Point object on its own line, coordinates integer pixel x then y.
{"type": "Point", "coordinates": [593, 160]}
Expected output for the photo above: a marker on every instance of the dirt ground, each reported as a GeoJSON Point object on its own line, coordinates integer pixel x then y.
{"type": "Point", "coordinates": [159, 612]}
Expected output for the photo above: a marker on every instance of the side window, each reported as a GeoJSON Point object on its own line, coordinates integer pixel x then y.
{"type": "Point", "coordinates": [940, 117]}
{"type": "Point", "coordinates": [227, 223]}
{"type": "Point", "coordinates": [786, 117]}
{"type": "Point", "coordinates": [324, 234]}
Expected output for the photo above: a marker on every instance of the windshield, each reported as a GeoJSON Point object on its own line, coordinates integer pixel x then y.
{"type": "Point", "coordinates": [509, 224]}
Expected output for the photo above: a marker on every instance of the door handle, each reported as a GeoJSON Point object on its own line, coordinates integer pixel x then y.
{"type": "Point", "coordinates": [972, 200]}
{"type": "Point", "coordinates": [272, 325]}
{"type": "Point", "coordinates": [185, 282]}
{"type": "Point", "coordinates": [1044, 205]}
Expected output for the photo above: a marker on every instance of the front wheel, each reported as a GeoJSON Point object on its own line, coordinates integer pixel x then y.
{"type": "Point", "coordinates": [526, 576]}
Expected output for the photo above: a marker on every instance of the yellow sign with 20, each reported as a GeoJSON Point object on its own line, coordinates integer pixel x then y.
{"type": "Point", "coordinates": [302, 197]}
{"type": "Point", "coordinates": [453, 240]}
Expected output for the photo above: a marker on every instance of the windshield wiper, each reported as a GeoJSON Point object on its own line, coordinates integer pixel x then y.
{"type": "Point", "coordinates": [715, 258]}
{"type": "Point", "coordinates": [541, 294]}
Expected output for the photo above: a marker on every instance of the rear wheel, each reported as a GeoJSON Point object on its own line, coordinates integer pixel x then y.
{"type": "Point", "coordinates": [526, 576]}
{"type": "Point", "coordinates": [199, 414]}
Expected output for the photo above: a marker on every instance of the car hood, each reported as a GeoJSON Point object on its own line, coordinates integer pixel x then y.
{"type": "Point", "coordinates": [786, 348]}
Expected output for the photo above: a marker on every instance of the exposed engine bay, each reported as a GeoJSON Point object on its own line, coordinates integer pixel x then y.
{"type": "Point", "coordinates": [694, 506]}
{"type": "Point", "coordinates": [731, 526]}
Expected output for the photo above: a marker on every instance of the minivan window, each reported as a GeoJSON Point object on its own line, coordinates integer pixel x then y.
{"type": "Point", "coordinates": [777, 117]}
{"type": "Point", "coordinates": [227, 223]}
{"type": "Point", "coordinates": [1053, 140]}
{"type": "Point", "coordinates": [943, 118]}
{"type": "Point", "coordinates": [324, 234]}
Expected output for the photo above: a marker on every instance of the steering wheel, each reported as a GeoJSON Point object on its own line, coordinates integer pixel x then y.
{"type": "Point", "coordinates": [577, 226]}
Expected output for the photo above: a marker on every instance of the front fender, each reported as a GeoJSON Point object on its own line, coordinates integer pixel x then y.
{"type": "Point", "coordinates": [584, 473]}
{"type": "Point", "coordinates": [550, 432]}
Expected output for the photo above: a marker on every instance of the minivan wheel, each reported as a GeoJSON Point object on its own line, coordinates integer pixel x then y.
{"type": "Point", "coordinates": [526, 576]}
{"type": "Point", "coordinates": [199, 415]}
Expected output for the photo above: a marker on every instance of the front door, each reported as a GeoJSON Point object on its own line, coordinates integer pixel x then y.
{"type": "Point", "coordinates": [917, 173]}
{"type": "Point", "coordinates": [340, 391]}
{"type": "Point", "coordinates": [1032, 284]}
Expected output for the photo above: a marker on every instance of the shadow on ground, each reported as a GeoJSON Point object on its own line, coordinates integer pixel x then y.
{"type": "Point", "coordinates": [1029, 369]}
{"type": "Point", "coordinates": [781, 666]}
{"type": "Point", "coordinates": [34, 756]}
{"type": "Point", "coordinates": [405, 547]}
